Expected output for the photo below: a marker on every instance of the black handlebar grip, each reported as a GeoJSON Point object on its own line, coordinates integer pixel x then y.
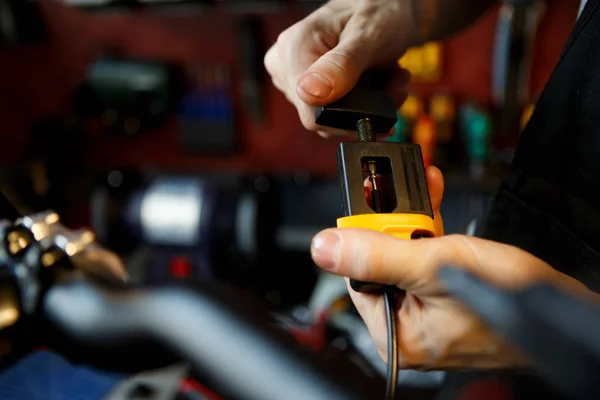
{"type": "Point", "coordinates": [557, 331]}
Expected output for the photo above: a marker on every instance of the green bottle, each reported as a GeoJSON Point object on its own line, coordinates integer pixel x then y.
{"type": "Point", "coordinates": [400, 131]}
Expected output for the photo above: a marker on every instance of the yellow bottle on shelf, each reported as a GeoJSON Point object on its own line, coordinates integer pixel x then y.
{"type": "Point", "coordinates": [412, 107]}
{"type": "Point", "coordinates": [441, 109]}
{"type": "Point", "coordinates": [423, 62]}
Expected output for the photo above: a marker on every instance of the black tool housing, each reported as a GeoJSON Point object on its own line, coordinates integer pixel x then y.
{"type": "Point", "coordinates": [403, 166]}
{"type": "Point", "coordinates": [403, 163]}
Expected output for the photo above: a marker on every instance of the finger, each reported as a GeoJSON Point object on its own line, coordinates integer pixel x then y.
{"type": "Point", "coordinates": [331, 132]}
{"type": "Point", "coordinates": [334, 74]}
{"type": "Point", "coordinates": [435, 184]}
{"type": "Point", "coordinates": [270, 61]}
{"type": "Point", "coordinates": [307, 117]}
{"type": "Point", "coordinates": [372, 310]}
{"type": "Point", "coordinates": [277, 83]}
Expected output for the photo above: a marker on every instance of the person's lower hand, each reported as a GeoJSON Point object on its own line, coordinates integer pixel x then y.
{"type": "Point", "coordinates": [321, 58]}
{"type": "Point", "coordinates": [435, 331]}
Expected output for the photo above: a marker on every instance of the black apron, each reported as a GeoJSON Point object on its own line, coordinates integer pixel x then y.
{"type": "Point", "coordinates": [549, 205]}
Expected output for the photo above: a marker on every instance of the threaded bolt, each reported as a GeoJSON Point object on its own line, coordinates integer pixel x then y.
{"type": "Point", "coordinates": [364, 127]}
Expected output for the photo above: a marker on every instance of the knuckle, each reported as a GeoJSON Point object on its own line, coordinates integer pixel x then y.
{"type": "Point", "coordinates": [339, 59]}
{"type": "Point", "coordinates": [307, 119]}
{"type": "Point", "coordinates": [268, 60]}
{"type": "Point", "coordinates": [284, 36]}
{"type": "Point", "coordinates": [287, 96]}
{"type": "Point", "coordinates": [277, 84]}
{"type": "Point", "coordinates": [271, 61]}
{"type": "Point", "coordinates": [452, 240]}
{"type": "Point", "coordinates": [457, 248]}
{"type": "Point", "coordinates": [364, 27]}
{"type": "Point", "coordinates": [342, 63]}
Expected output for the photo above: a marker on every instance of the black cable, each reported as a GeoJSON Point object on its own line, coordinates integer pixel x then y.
{"type": "Point", "coordinates": [390, 311]}
{"type": "Point", "coordinates": [392, 332]}
{"type": "Point", "coordinates": [389, 298]}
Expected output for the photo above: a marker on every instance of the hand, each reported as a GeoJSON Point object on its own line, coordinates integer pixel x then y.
{"type": "Point", "coordinates": [320, 59]}
{"type": "Point", "coordinates": [435, 331]}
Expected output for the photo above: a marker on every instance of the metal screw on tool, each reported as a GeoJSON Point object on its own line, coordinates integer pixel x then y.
{"type": "Point", "coordinates": [365, 131]}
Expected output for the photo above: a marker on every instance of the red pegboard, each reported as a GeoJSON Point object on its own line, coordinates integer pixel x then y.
{"type": "Point", "coordinates": [38, 80]}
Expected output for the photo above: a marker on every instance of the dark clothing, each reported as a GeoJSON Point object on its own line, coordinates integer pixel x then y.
{"type": "Point", "coordinates": [549, 205]}
{"type": "Point", "coordinates": [553, 191]}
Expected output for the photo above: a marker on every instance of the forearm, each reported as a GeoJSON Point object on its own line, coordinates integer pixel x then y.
{"type": "Point", "coordinates": [442, 19]}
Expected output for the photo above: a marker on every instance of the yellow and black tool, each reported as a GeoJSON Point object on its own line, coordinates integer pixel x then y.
{"type": "Point", "coordinates": [383, 185]}
{"type": "Point", "coordinates": [398, 202]}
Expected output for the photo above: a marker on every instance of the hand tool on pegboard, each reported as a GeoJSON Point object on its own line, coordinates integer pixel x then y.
{"type": "Point", "coordinates": [206, 119]}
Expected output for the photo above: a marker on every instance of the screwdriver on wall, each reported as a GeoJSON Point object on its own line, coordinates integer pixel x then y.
{"type": "Point", "coordinates": [399, 196]}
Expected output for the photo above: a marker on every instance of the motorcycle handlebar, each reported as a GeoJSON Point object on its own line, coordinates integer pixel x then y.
{"type": "Point", "coordinates": [224, 337]}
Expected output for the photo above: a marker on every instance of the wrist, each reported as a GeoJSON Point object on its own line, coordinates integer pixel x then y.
{"type": "Point", "coordinates": [387, 27]}
{"type": "Point", "coordinates": [420, 16]}
{"type": "Point", "coordinates": [435, 20]}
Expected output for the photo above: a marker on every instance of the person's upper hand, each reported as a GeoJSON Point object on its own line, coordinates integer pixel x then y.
{"type": "Point", "coordinates": [435, 331]}
{"type": "Point", "coordinates": [321, 58]}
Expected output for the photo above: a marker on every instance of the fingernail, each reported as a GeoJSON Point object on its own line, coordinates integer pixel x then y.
{"type": "Point", "coordinates": [315, 85]}
{"type": "Point", "coordinates": [325, 249]}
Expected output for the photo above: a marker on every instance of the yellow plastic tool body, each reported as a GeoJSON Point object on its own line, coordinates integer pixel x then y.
{"type": "Point", "coordinates": [401, 226]}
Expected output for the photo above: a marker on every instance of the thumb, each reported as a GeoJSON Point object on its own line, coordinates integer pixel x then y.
{"type": "Point", "coordinates": [372, 256]}
{"type": "Point", "coordinates": [333, 75]}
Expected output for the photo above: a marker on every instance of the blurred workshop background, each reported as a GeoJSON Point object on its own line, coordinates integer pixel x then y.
{"type": "Point", "coordinates": [154, 123]}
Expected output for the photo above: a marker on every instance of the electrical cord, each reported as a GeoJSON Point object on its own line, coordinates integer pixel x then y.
{"type": "Point", "coordinates": [389, 297]}
{"type": "Point", "coordinates": [392, 332]}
